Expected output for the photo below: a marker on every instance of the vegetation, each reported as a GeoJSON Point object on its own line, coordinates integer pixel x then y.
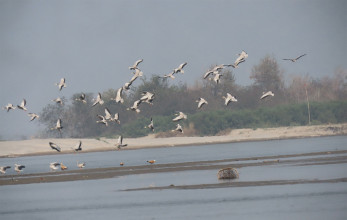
{"type": "Point", "coordinates": [327, 96]}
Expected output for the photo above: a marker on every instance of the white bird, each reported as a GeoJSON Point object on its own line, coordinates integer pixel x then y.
{"type": "Point", "coordinates": [147, 97]}
{"type": "Point", "coordinates": [216, 77]}
{"type": "Point", "coordinates": [127, 85]}
{"type": "Point", "coordinates": [33, 116]}
{"type": "Point", "coordinates": [119, 98]}
{"type": "Point", "coordinates": [135, 106]}
{"type": "Point", "coordinates": [55, 146]}
{"type": "Point", "coordinates": [81, 165]}
{"type": "Point", "coordinates": [61, 84]}
{"type": "Point", "coordinates": [22, 105]}
{"type": "Point", "coordinates": [3, 169]}
{"type": "Point", "coordinates": [170, 75]}
{"type": "Point", "coordinates": [18, 168]}
{"type": "Point", "coordinates": [295, 59]}
{"type": "Point", "coordinates": [229, 99]}
{"type": "Point", "coordinates": [108, 115]}
{"type": "Point", "coordinates": [201, 102]}
{"type": "Point", "coordinates": [78, 146]}
{"type": "Point", "coordinates": [133, 67]}
{"type": "Point", "coordinates": [58, 125]}
{"type": "Point", "coordinates": [9, 107]}
{"type": "Point", "coordinates": [82, 98]}
{"type": "Point", "coordinates": [178, 128]}
{"type": "Point", "coordinates": [58, 101]}
{"type": "Point", "coordinates": [102, 120]}
{"type": "Point", "coordinates": [180, 68]}
{"type": "Point", "coordinates": [180, 116]}
{"type": "Point", "coordinates": [116, 118]}
{"type": "Point", "coordinates": [98, 100]}
{"type": "Point", "coordinates": [120, 143]}
{"type": "Point", "coordinates": [242, 58]}
{"type": "Point", "coordinates": [151, 125]}
{"type": "Point", "coordinates": [267, 94]}
{"type": "Point", "coordinates": [54, 165]}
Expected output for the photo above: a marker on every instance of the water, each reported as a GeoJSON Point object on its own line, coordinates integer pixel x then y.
{"type": "Point", "coordinates": [106, 198]}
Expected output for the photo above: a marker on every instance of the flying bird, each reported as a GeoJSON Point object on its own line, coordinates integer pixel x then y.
{"type": "Point", "coordinates": [22, 105]}
{"type": "Point", "coordinates": [133, 67]}
{"type": "Point", "coordinates": [33, 116]}
{"type": "Point", "coordinates": [78, 146]}
{"type": "Point", "coordinates": [116, 118]}
{"type": "Point", "coordinates": [58, 126]}
{"type": "Point", "coordinates": [3, 169]}
{"type": "Point", "coordinates": [120, 143]}
{"type": "Point", "coordinates": [98, 100]}
{"type": "Point", "coordinates": [178, 128]}
{"type": "Point", "coordinates": [216, 77]}
{"type": "Point", "coordinates": [229, 99]}
{"type": "Point", "coordinates": [267, 94]}
{"type": "Point", "coordinates": [102, 120]}
{"type": "Point", "coordinates": [180, 68]}
{"type": "Point", "coordinates": [55, 146]}
{"type": "Point", "coordinates": [147, 97]}
{"type": "Point", "coordinates": [9, 107]}
{"type": "Point", "coordinates": [54, 165]}
{"type": "Point", "coordinates": [61, 84]}
{"type": "Point", "coordinates": [201, 102]}
{"type": "Point", "coordinates": [108, 115]}
{"type": "Point", "coordinates": [170, 75]}
{"type": "Point", "coordinates": [18, 168]}
{"type": "Point", "coordinates": [58, 101]}
{"type": "Point", "coordinates": [180, 116]}
{"type": "Point", "coordinates": [81, 165]}
{"type": "Point", "coordinates": [119, 98]}
{"type": "Point", "coordinates": [151, 125]}
{"type": "Point", "coordinates": [135, 106]}
{"type": "Point", "coordinates": [295, 59]}
{"type": "Point", "coordinates": [240, 59]}
{"type": "Point", "coordinates": [82, 98]}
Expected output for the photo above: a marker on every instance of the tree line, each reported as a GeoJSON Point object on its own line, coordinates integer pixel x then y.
{"type": "Point", "coordinates": [327, 96]}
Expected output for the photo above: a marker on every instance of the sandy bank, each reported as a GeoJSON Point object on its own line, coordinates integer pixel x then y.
{"type": "Point", "coordinates": [41, 146]}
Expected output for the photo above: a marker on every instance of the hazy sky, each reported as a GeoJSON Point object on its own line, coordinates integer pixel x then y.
{"type": "Point", "coordinates": [92, 43]}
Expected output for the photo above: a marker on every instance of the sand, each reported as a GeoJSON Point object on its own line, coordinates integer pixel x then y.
{"type": "Point", "coordinates": [41, 146]}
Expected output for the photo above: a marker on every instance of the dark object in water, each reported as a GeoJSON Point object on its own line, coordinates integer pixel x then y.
{"type": "Point", "coordinates": [228, 173]}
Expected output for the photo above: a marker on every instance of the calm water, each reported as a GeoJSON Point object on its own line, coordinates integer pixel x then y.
{"type": "Point", "coordinates": [104, 199]}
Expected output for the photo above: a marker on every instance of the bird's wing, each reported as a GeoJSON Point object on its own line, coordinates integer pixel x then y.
{"type": "Point", "coordinates": [300, 56]}
{"type": "Point", "coordinates": [107, 113]}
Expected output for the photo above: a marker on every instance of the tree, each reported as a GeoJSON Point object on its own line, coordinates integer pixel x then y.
{"type": "Point", "coordinates": [267, 75]}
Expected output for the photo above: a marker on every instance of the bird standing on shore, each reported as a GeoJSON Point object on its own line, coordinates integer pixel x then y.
{"type": "Point", "coordinates": [151, 161]}
{"type": "Point", "coordinates": [3, 169]}
{"type": "Point", "coordinates": [63, 167]}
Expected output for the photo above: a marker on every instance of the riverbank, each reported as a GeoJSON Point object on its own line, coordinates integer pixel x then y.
{"type": "Point", "coordinates": [41, 146]}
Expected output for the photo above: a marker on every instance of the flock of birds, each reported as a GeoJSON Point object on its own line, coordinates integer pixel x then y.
{"type": "Point", "coordinates": [147, 97]}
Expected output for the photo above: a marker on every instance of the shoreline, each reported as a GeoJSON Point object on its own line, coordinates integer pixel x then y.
{"type": "Point", "coordinates": [36, 147]}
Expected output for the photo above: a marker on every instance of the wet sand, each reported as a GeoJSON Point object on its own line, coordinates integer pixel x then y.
{"type": "Point", "coordinates": [41, 146]}
{"type": "Point", "coordinates": [316, 158]}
